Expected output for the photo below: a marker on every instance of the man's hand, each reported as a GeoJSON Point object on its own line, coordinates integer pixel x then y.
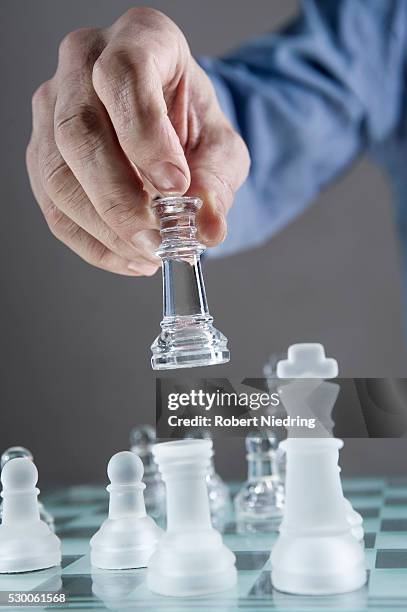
{"type": "Point", "coordinates": [129, 109]}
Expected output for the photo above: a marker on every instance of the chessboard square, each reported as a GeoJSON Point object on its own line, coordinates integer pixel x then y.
{"type": "Point", "coordinates": [65, 513]}
{"type": "Point", "coordinates": [28, 581]}
{"type": "Point", "coordinates": [144, 599]}
{"type": "Point", "coordinates": [75, 546]}
{"type": "Point", "coordinates": [391, 559]}
{"type": "Point", "coordinates": [247, 560]}
{"type": "Point", "coordinates": [371, 524]}
{"type": "Point", "coordinates": [397, 481]}
{"type": "Point", "coordinates": [396, 492]}
{"type": "Point", "coordinates": [253, 542]}
{"type": "Point", "coordinates": [78, 532]}
{"type": "Point", "coordinates": [370, 558]}
{"type": "Point", "coordinates": [62, 522]}
{"type": "Point", "coordinates": [89, 521]}
{"type": "Point", "coordinates": [396, 501]}
{"type": "Point", "coordinates": [391, 539]}
{"type": "Point", "coordinates": [76, 586]}
{"type": "Point", "coordinates": [393, 512]}
{"type": "Point", "coordinates": [81, 565]}
{"type": "Point", "coordinates": [361, 500]}
{"type": "Point", "coordinates": [85, 494]}
{"type": "Point", "coordinates": [230, 528]}
{"type": "Point", "coordinates": [388, 583]}
{"type": "Point", "coordinates": [68, 560]}
{"type": "Point", "coordinates": [262, 587]}
{"type": "Point", "coordinates": [368, 512]}
{"type": "Point", "coordinates": [118, 588]}
{"type": "Point", "coordinates": [370, 539]}
{"type": "Point", "coordinates": [363, 484]}
{"type": "Point", "coordinates": [394, 524]}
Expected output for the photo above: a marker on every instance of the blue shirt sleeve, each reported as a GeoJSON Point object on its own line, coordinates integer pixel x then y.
{"type": "Point", "coordinates": [307, 100]}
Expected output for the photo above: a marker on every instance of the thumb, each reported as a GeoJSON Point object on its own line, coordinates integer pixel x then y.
{"type": "Point", "coordinates": [218, 166]}
{"type": "Point", "coordinates": [160, 158]}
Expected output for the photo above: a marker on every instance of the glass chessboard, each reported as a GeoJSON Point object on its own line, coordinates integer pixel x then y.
{"type": "Point", "coordinates": [79, 511]}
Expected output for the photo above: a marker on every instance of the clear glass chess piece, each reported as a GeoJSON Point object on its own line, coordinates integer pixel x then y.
{"type": "Point", "coordinates": [142, 440]}
{"type": "Point", "coordinates": [260, 502]}
{"type": "Point", "coordinates": [218, 491]}
{"type": "Point", "coordinates": [15, 452]}
{"type": "Point", "coordinates": [188, 337]}
{"type": "Point", "coordinates": [273, 383]}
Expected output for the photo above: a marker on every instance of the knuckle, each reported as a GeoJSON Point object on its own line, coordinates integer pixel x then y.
{"type": "Point", "coordinates": [145, 15]}
{"type": "Point", "coordinates": [120, 82]}
{"type": "Point", "coordinates": [111, 68]}
{"type": "Point", "coordinates": [225, 186]}
{"type": "Point", "coordinates": [54, 172]}
{"type": "Point", "coordinates": [74, 42]}
{"type": "Point", "coordinates": [97, 254]}
{"type": "Point", "coordinates": [109, 238]}
{"type": "Point", "coordinates": [31, 154]}
{"type": "Point", "coordinates": [101, 255]}
{"type": "Point", "coordinates": [77, 124]}
{"type": "Point", "coordinates": [122, 219]}
{"type": "Point", "coordinates": [236, 150]}
{"type": "Point", "coordinates": [101, 69]}
{"type": "Point", "coordinates": [42, 96]}
{"type": "Point", "coordinates": [55, 219]}
{"type": "Point", "coordinates": [241, 153]}
{"type": "Point", "coordinates": [72, 198]}
{"type": "Point", "coordinates": [60, 183]}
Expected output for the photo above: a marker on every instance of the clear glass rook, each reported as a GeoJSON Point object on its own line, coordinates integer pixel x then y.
{"type": "Point", "coordinates": [187, 337]}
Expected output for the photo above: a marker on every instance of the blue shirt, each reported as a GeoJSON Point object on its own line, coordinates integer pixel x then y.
{"type": "Point", "coordinates": [308, 100]}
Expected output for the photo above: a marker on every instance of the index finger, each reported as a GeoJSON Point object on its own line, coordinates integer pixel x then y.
{"type": "Point", "coordinates": [87, 142]}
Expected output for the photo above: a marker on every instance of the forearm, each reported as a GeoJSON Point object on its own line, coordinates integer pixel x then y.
{"type": "Point", "coordinates": [307, 101]}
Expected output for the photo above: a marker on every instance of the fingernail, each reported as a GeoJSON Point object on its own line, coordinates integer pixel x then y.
{"type": "Point", "coordinates": [167, 177]}
{"type": "Point", "coordinates": [139, 268]}
{"type": "Point", "coordinates": [213, 228]}
{"type": "Point", "coordinates": [148, 241]}
{"type": "Point", "coordinates": [134, 267]}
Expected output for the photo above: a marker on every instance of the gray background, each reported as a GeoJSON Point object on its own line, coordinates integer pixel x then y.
{"type": "Point", "coordinates": [75, 373]}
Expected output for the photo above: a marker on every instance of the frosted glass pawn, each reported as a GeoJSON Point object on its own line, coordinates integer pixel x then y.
{"type": "Point", "coordinates": [128, 537]}
{"type": "Point", "coordinates": [26, 542]}
{"type": "Point", "coordinates": [191, 559]}
{"type": "Point", "coordinates": [13, 453]}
